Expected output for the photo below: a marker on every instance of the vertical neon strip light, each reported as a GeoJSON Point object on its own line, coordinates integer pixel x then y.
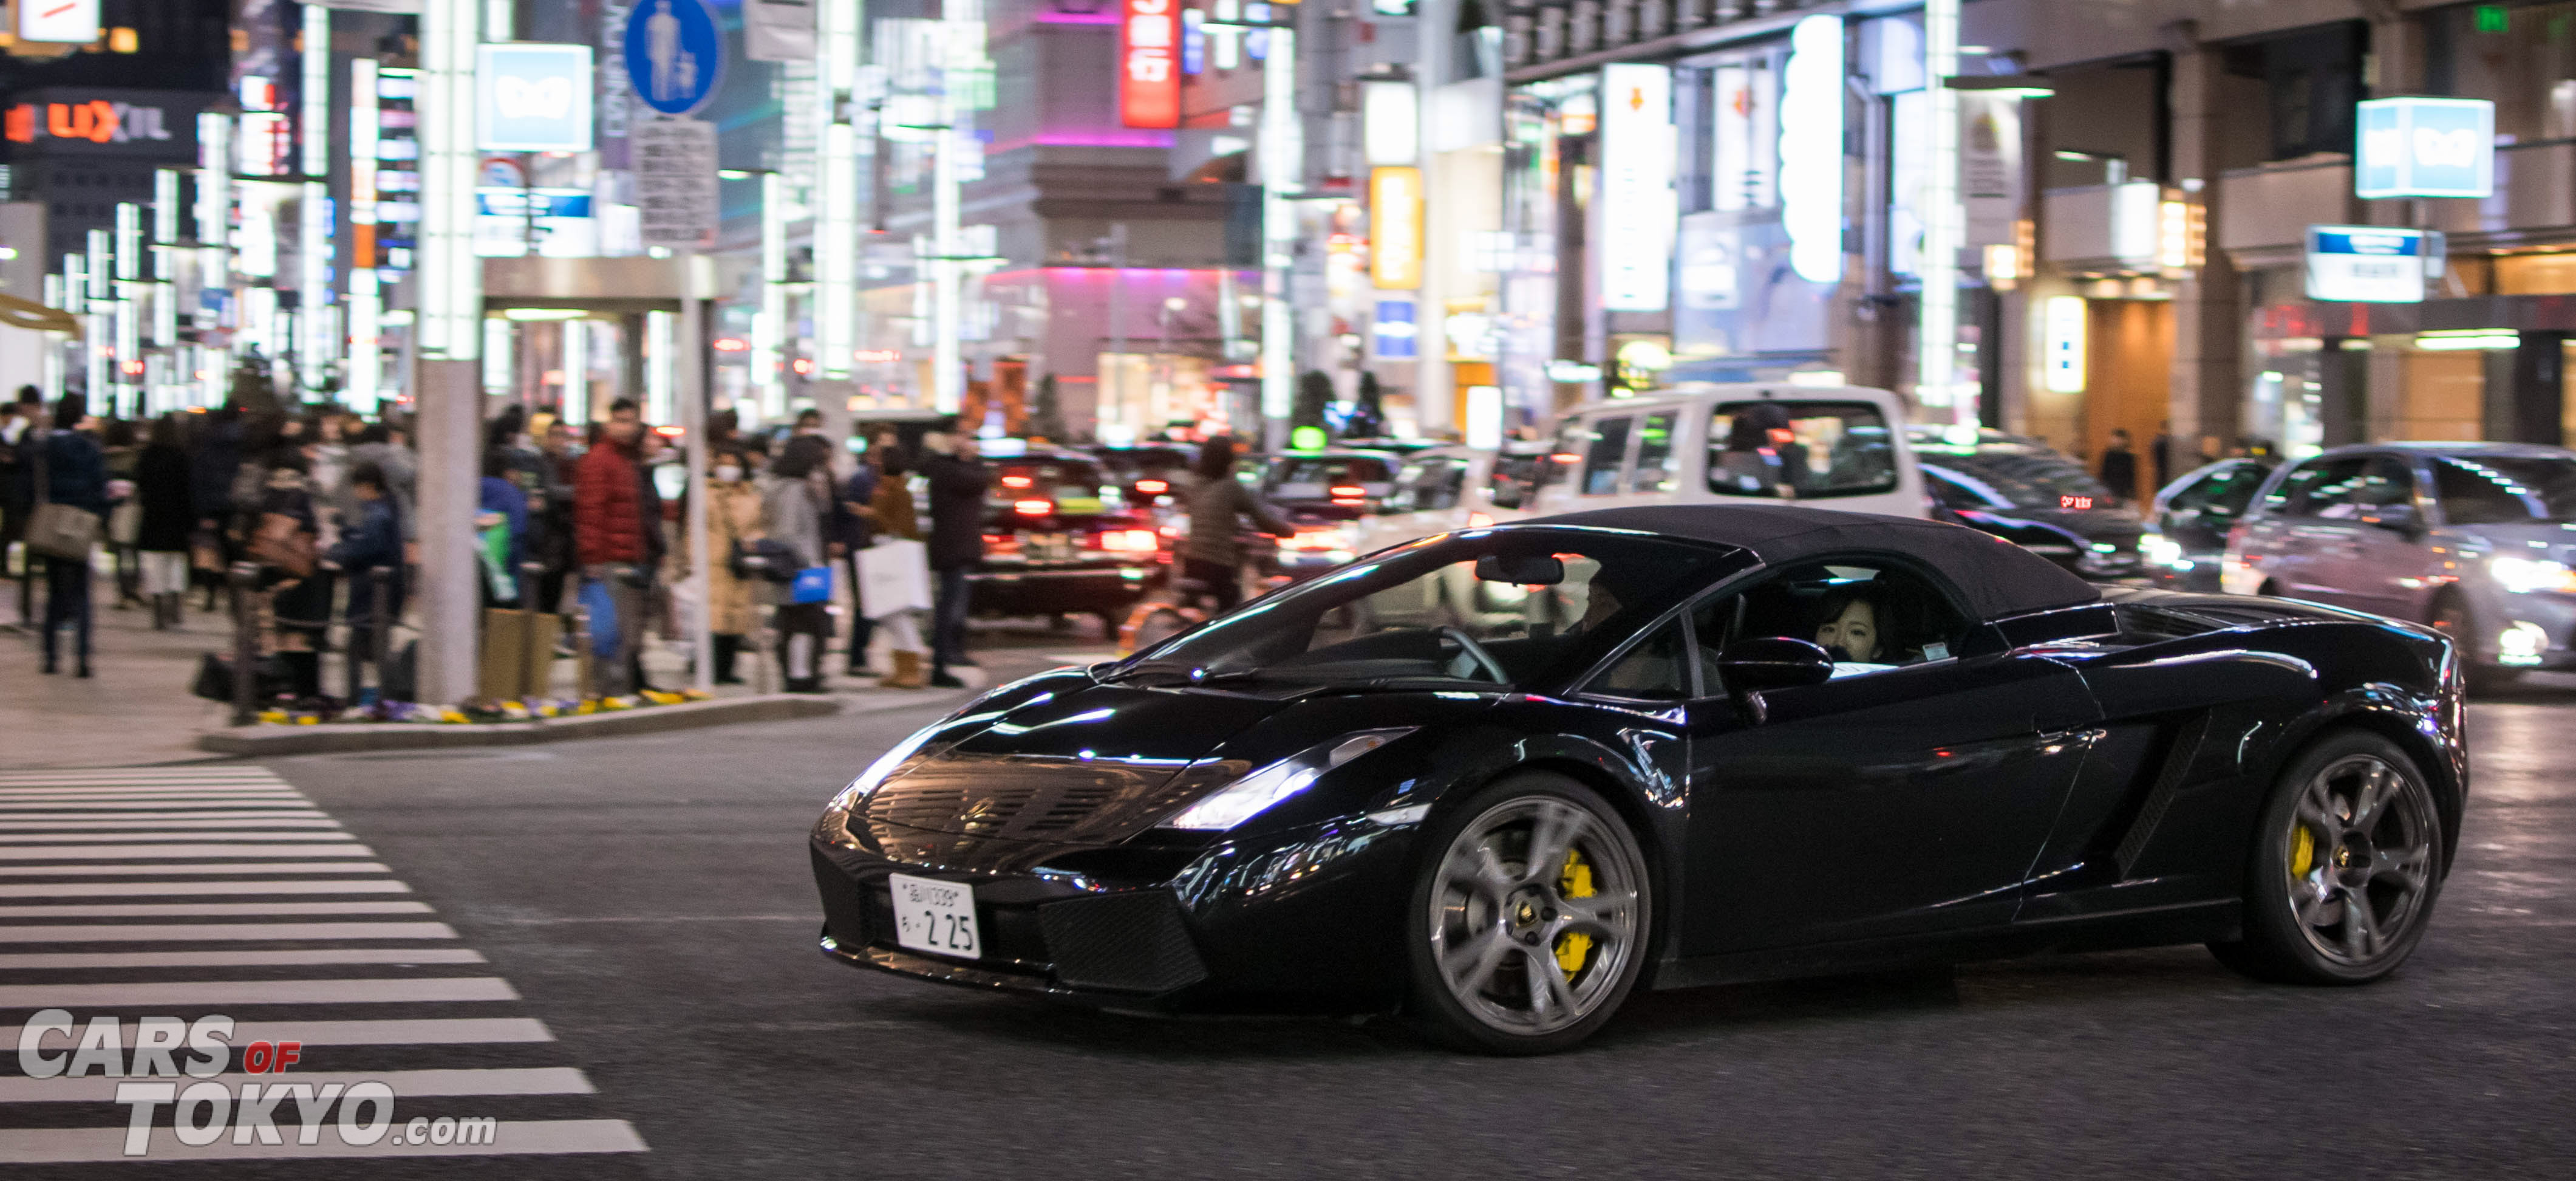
{"type": "Point", "coordinates": [128, 308]}
{"type": "Point", "coordinates": [449, 276]}
{"type": "Point", "coordinates": [576, 371]}
{"type": "Point", "coordinates": [836, 195]}
{"type": "Point", "coordinates": [366, 308]}
{"type": "Point", "coordinates": [1282, 161]}
{"type": "Point", "coordinates": [961, 47]}
{"type": "Point", "coordinates": [317, 345]}
{"type": "Point", "coordinates": [769, 327]}
{"type": "Point", "coordinates": [1936, 349]}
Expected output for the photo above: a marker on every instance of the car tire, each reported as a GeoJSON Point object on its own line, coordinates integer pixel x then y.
{"type": "Point", "coordinates": [2352, 828]}
{"type": "Point", "coordinates": [1505, 958]}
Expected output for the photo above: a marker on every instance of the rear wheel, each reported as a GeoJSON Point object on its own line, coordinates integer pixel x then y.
{"type": "Point", "coordinates": [2345, 867]}
{"type": "Point", "coordinates": [1530, 917]}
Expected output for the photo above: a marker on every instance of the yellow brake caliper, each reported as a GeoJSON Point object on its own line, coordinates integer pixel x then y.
{"type": "Point", "coordinates": [2303, 851]}
{"type": "Point", "coordinates": [1574, 881]}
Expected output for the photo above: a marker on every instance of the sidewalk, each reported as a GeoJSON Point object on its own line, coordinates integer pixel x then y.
{"type": "Point", "coordinates": [137, 709]}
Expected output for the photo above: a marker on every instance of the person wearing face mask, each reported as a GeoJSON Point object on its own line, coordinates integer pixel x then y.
{"type": "Point", "coordinates": [733, 521]}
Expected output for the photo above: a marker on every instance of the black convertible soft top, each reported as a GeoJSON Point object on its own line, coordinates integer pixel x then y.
{"type": "Point", "coordinates": [1997, 577]}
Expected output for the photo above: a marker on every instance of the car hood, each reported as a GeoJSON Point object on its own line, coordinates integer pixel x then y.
{"type": "Point", "coordinates": [1094, 765]}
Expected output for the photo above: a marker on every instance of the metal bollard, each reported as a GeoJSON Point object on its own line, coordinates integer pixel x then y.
{"type": "Point", "coordinates": [380, 624]}
{"type": "Point", "coordinates": [581, 653]}
{"type": "Point", "coordinates": [530, 660]}
{"type": "Point", "coordinates": [241, 578]}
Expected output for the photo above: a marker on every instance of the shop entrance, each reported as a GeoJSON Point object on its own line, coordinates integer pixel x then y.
{"type": "Point", "coordinates": [2127, 368]}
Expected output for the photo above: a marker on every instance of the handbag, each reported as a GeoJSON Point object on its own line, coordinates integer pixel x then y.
{"type": "Point", "coordinates": [205, 551]}
{"type": "Point", "coordinates": [281, 541]}
{"type": "Point", "coordinates": [63, 531]}
{"type": "Point", "coordinates": [764, 559]}
{"type": "Point", "coordinates": [813, 584]}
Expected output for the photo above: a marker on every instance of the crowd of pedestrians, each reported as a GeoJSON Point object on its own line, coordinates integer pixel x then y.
{"type": "Point", "coordinates": [320, 503]}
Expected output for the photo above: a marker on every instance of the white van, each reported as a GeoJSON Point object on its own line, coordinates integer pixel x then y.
{"type": "Point", "coordinates": [1838, 447]}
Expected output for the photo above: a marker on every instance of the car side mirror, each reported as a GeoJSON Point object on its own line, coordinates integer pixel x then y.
{"type": "Point", "coordinates": [1773, 662]}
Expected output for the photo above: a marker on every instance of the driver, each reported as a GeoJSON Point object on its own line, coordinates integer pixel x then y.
{"type": "Point", "coordinates": [1856, 627]}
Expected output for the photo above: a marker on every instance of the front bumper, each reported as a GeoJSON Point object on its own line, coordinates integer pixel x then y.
{"type": "Point", "coordinates": [1307, 919]}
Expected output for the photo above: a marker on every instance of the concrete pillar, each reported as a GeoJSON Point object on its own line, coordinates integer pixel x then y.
{"type": "Point", "coordinates": [2526, 390]}
{"type": "Point", "coordinates": [2207, 387]}
{"type": "Point", "coordinates": [2343, 392]}
{"type": "Point", "coordinates": [448, 430]}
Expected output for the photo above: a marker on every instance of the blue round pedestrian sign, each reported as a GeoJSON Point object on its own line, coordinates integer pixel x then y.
{"type": "Point", "coordinates": [674, 54]}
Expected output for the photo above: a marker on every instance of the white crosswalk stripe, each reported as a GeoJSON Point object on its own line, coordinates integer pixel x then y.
{"type": "Point", "coordinates": [175, 894]}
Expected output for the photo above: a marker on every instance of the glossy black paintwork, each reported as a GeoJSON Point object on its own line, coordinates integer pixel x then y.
{"type": "Point", "coordinates": [2076, 778]}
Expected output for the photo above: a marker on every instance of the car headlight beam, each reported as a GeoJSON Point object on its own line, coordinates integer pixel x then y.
{"type": "Point", "coordinates": [1255, 793]}
{"type": "Point", "coordinates": [2524, 576]}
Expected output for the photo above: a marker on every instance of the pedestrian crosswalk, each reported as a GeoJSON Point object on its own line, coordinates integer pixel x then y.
{"type": "Point", "coordinates": [140, 908]}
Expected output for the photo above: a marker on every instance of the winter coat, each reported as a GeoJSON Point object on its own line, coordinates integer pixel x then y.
{"type": "Point", "coordinates": [791, 516]}
{"type": "Point", "coordinates": [373, 541]}
{"type": "Point", "coordinates": [161, 483]}
{"type": "Point", "coordinates": [891, 511]}
{"type": "Point", "coordinates": [733, 518]}
{"type": "Point", "coordinates": [956, 510]}
{"type": "Point", "coordinates": [402, 478]}
{"type": "Point", "coordinates": [608, 510]}
{"type": "Point", "coordinates": [1215, 506]}
{"type": "Point", "coordinates": [849, 528]}
{"type": "Point", "coordinates": [499, 495]}
{"type": "Point", "coordinates": [211, 469]}
{"type": "Point", "coordinates": [75, 468]}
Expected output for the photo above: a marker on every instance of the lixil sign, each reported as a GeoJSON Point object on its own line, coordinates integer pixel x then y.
{"type": "Point", "coordinates": [2425, 147]}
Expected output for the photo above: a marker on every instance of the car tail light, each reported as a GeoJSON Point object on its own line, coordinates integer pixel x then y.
{"type": "Point", "coordinates": [1347, 490]}
{"type": "Point", "coordinates": [1153, 487]}
{"type": "Point", "coordinates": [1015, 481]}
{"type": "Point", "coordinates": [1173, 531]}
{"type": "Point", "coordinates": [1033, 508]}
{"type": "Point", "coordinates": [1130, 541]}
{"type": "Point", "coordinates": [1317, 539]}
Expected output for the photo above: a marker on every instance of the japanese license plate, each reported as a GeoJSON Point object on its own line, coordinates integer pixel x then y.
{"type": "Point", "coordinates": [936, 917]}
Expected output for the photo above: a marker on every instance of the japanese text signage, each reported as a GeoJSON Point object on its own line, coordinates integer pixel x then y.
{"type": "Point", "coordinates": [2425, 147]}
{"type": "Point", "coordinates": [1149, 73]}
{"type": "Point", "coordinates": [535, 98]}
{"type": "Point", "coordinates": [1639, 212]}
{"type": "Point", "coordinates": [2365, 264]}
{"type": "Point", "coordinates": [674, 54]}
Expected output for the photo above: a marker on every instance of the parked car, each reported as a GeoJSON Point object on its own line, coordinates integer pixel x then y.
{"type": "Point", "coordinates": [1058, 542]}
{"type": "Point", "coordinates": [2477, 539]}
{"type": "Point", "coordinates": [1831, 447]}
{"type": "Point", "coordinates": [2187, 525]}
{"type": "Point", "coordinates": [1151, 476]}
{"type": "Point", "coordinates": [1327, 494]}
{"type": "Point", "coordinates": [1653, 776]}
{"type": "Point", "coordinates": [2030, 494]}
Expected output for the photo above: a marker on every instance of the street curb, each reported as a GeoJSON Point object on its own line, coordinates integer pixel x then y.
{"type": "Point", "coordinates": [267, 741]}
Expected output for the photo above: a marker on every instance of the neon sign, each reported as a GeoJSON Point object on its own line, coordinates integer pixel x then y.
{"type": "Point", "coordinates": [1149, 74]}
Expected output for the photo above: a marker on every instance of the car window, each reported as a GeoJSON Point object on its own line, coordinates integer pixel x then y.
{"type": "Point", "coordinates": [2222, 493]}
{"type": "Point", "coordinates": [1872, 616]}
{"type": "Point", "coordinates": [2504, 490]}
{"type": "Point", "coordinates": [1800, 450]}
{"type": "Point", "coordinates": [1427, 484]}
{"type": "Point", "coordinates": [2387, 480]}
{"type": "Point", "coordinates": [1526, 599]}
{"type": "Point", "coordinates": [2319, 488]}
{"type": "Point", "coordinates": [1656, 668]}
{"type": "Point", "coordinates": [1315, 477]}
{"type": "Point", "coordinates": [1655, 456]}
{"type": "Point", "coordinates": [1603, 455]}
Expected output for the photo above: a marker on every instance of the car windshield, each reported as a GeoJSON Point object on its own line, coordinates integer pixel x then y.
{"type": "Point", "coordinates": [1314, 477]}
{"type": "Point", "coordinates": [2505, 489]}
{"type": "Point", "coordinates": [1489, 608]}
{"type": "Point", "coordinates": [2020, 477]}
{"type": "Point", "coordinates": [1801, 450]}
{"type": "Point", "coordinates": [1144, 462]}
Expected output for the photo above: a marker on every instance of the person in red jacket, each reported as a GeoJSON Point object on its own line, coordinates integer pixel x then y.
{"type": "Point", "coordinates": [611, 540]}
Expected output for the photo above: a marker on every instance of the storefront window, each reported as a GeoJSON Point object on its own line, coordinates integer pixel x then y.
{"type": "Point", "coordinates": [2523, 58]}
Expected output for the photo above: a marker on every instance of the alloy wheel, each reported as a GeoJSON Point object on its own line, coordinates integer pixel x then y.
{"type": "Point", "coordinates": [2359, 861]}
{"type": "Point", "coordinates": [1535, 914]}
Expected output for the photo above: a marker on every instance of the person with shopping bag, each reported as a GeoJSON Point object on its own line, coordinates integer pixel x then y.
{"type": "Point", "coordinates": [894, 572]}
{"type": "Point", "coordinates": [793, 504]}
{"type": "Point", "coordinates": [611, 520]}
{"type": "Point", "coordinates": [69, 475]}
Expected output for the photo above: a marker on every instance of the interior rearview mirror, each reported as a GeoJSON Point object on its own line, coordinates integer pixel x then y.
{"type": "Point", "coordinates": [1522, 569]}
{"type": "Point", "coordinates": [1773, 662]}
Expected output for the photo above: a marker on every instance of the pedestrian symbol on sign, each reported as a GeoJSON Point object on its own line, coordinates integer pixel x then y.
{"type": "Point", "coordinates": [674, 54]}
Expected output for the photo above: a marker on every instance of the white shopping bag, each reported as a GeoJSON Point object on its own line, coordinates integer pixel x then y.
{"type": "Point", "coordinates": [894, 575]}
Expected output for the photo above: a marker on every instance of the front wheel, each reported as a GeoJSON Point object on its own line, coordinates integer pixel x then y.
{"type": "Point", "coordinates": [2345, 867]}
{"type": "Point", "coordinates": [1530, 918]}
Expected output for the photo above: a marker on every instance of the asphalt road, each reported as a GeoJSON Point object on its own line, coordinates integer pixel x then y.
{"type": "Point", "coordinates": [649, 902]}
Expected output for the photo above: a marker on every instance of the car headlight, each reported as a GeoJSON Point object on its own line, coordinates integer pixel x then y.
{"type": "Point", "coordinates": [2161, 550]}
{"type": "Point", "coordinates": [2526, 575]}
{"type": "Point", "coordinates": [1249, 796]}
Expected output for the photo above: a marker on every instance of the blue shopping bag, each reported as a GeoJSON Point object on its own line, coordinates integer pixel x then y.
{"type": "Point", "coordinates": [813, 585]}
{"type": "Point", "coordinates": [603, 618]}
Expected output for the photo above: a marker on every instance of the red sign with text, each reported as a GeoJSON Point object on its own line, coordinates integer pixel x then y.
{"type": "Point", "coordinates": [1149, 69]}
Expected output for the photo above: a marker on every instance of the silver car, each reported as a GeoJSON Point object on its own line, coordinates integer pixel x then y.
{"type": "Point", "coordinates": [2477, 539]}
